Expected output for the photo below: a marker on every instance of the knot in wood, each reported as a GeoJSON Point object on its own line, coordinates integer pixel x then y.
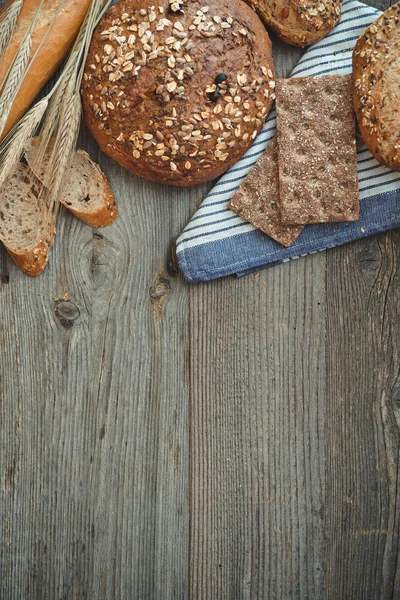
{"type": "Point", "coordinates": [67, 312]}
{"type": "Point", "coordinates": [160, 289]}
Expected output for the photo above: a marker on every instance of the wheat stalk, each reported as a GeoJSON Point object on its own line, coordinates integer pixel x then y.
{"type": "Point", "coordinates": [57, 139]}
{"type": "Point", "coordinates": [64, 142]}
{"type": "Point", "coordinates": [13, 146]}
{"type": "Point", "coordinates": [60, 112]}
{"type": "Point", "coordinates": [8, 22]}
{"type": "Point", "coordinates": [13, 81]}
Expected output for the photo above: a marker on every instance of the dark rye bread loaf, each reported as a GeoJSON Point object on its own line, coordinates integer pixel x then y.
{"type": "Point", "coordinates": [299, 22]}
{"type": "Point", "coordinates": [376, 68]}
{"type": "Point", "coordinates": [176, 92]}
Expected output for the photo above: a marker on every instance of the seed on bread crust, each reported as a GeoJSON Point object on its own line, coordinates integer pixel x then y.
{"type": "Point", "coordinates": [376, 67]}
{"type": "Point", "coordinates": [299, 22]}
{"type": "Point", "coordinates": [174, 81]}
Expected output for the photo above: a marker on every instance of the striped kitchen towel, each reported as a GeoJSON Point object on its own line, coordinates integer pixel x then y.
{"type": "Point", "coordinates": [216, 242]}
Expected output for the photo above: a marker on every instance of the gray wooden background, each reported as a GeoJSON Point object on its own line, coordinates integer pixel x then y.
{"type": "Point", "coordinates": [233, 440]}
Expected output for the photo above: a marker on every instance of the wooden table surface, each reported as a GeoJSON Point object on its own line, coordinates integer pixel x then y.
{"type": "Point", "coordinates": [232, 440]}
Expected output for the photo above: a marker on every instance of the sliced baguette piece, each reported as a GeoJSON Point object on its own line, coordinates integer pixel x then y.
{"type": "Point", "coordinates": [86, 191]}
{"type": "Point", "coordinates": [26, 228]}
{"type": "Point", "coordinates": [376, 95]}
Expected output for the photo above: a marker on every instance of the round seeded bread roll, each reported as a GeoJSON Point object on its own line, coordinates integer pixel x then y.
{"type": "Point", "coordinates": [376, 68]}
{"type": "Point", "coordinates": [299, 22]}
{"type": "Point", "coordinates": [176, 91]}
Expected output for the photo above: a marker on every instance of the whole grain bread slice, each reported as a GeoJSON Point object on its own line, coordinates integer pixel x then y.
{"type": "Point", "coordinates": [257, 199]}
{"type": "Point", "coordinates": [86, 191]}
{"type": "Point", "coordinates": [317, 149]}
{"type": "Point", "coordinates": [26, 227]}
{"type": "Point", "coordinates": [376, 68]}
{"type": "Point", "coordinates": [299, 22]}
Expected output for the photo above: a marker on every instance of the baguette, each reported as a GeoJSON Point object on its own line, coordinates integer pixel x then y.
{"type": "Point", "coordinates": [53, 50]}
{"type": "Point", "coordinates": [376, 68]}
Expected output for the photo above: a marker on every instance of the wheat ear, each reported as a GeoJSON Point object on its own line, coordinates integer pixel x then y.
{"type": "Point", "coordinates": [15, 77]}
{"type": "Point", "coordinates": [15, 143]}
{"type": "Point", "coordinates": [64, 145]}
{"type": "Point", "coordinates": [8, 22]}
{"type": "Point", "coordinates": [61, 125]}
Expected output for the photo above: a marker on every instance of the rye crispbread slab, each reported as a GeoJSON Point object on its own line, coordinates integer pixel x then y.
{"type": "Point", "coordinates": [257, 199]}
{"type": "Point", "coordinates": [317, 149]}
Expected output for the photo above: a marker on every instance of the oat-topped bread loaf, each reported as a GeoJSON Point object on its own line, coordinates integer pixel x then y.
{"type": "Point", "coordinates": [299, 22]}
{"type": "Point", "coordinates": [177, 91]}
{"type": "Point", "coordinates": [376, 68]}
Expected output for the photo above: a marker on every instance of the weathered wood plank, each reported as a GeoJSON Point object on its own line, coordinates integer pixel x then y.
{"type": "Point", "coordinates": [257, 435]}
{"type": "Point", "coordinates": [362, 522]}
{"type": "Point", "coordinates": [94, 428]}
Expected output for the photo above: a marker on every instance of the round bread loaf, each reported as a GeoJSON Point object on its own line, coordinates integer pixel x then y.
{"type": "Point", "coordinates": [176, 91]}
{"type": "Point", "coordinates": [376, 69]}
{"type": "Point", "coordinates": [299, 22]}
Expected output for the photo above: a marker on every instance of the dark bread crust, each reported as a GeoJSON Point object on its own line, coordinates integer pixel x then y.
{"type": "Point", "coordinates": [299, 22]}
{"type": "Point", "coordinates": [376, 68]}
{"type": "Point", "coordinates": [317, 149]}
{"type": "Point", "coordinates": [257, 199]}
{"type": "Point", "coordinates": [158, 113]}
{"type": "Point", "coordinates": [32, 262]}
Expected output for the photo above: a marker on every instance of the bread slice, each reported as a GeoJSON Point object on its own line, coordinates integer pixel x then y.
{"type": "Point", "coordinates": [257, 199]}
{"type": "Point", "coordinates": [86, 191]}
{"type": "Point", "coordinates": [26, 228]}
{"type": "Point", "coordinates": [299, 22]}
{"type": "Point", "coordinates": [317, 149]}
{"type": "Point", "coordinates": [376, 68]}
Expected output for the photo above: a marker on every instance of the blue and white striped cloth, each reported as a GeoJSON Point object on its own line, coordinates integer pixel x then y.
{"type": "Point", "coordinates": [217, 243]}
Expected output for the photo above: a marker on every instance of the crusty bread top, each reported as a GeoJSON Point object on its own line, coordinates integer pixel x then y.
{"type": "Point", "coordinates": [299, 22]}
{"type": "Point", "coordinates": [317, 149]}
{"type": "Point", "coordinates": [177, 91]}
{"type": "Point", "coordinates": [376, 67]}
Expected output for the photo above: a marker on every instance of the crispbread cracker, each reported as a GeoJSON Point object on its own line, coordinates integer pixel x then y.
{"type": "Point", "coordinates": [257, 199]}
{"type": "Point", "coordinates": [317, 149]}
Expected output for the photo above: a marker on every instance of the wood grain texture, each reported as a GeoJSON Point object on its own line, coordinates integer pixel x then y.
{"type": "Point", "coordinates": [257, 457]}
{"type": "Point", "coordinates": [362, 524]}
{"type": "Point", "coordinates": [234, 440]}
{"type": "Point", "coordinates": [94, 411]}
